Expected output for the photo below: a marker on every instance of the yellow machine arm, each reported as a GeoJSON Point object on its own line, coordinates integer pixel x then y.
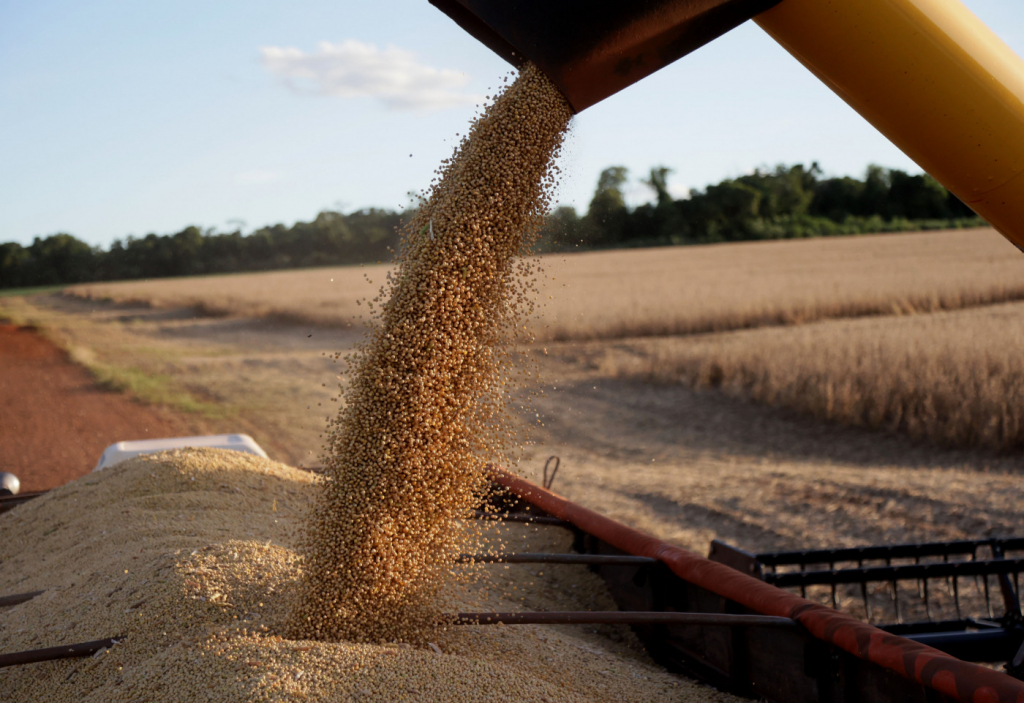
{"type": "Point", "coordinates": [930, 76]}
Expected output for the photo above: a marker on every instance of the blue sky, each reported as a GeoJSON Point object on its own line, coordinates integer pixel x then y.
{"type": "Point", "coordinates": [121, 118]}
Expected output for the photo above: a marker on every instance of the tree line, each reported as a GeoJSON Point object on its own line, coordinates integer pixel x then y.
{"type": "Point", "coordinates": [784, 202]}
{"type": "Point", "coordinates": [331, 239]}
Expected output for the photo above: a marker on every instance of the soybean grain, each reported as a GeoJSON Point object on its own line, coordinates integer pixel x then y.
{"type": "Point", "coordinates": [426, 411]}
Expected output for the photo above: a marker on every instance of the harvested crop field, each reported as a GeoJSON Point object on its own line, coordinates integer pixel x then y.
{"type": "Point", "coordinates": [661, 291]}
{"type": "Point", "coordinates": [189, 556]}
{"type": "Point", "coordinates": [684, 464]}
{"type": "Point", "coordinates": [949, 378]}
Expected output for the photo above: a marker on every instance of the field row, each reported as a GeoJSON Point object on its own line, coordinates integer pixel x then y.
{"type": "Point", "coordinates": [954, 379]}
{"type": "Point", "coordinates": [661, 291]}
{"type": "Point", "coordinates": [826, 327]}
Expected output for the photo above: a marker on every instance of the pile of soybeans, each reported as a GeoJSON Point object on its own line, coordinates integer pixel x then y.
{"type": "Point", "coordinates": [191, 556]}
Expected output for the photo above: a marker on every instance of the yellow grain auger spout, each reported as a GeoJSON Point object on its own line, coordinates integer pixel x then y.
{"type": "Point", "coordinates": [928, 74]}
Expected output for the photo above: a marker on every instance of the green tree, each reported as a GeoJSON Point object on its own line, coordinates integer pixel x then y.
{"type": "Point", "coordinates": [13, 260]}
{"type": "Point", "coordinates": [607, 212]}
{"type": "Point", "coordinates": [658, 182]}
{"type": "Point", "coordinates": [837, 198]}
{"type": "Point", "coordinates": [917, 197]}
{"type": "Point", "coordinates": [787, 191]}
{"type": "Point", "coordinates": [875, 196]}
{"type": "Point", "coordinates": [786, 201]}
{"type": "Point", "coordinates": [60, 258]}
{"type": "Point", "coordinates": [660, 222]}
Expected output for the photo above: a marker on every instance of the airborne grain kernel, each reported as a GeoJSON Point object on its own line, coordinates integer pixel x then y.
{"type": "Point", "coordinates": [426, 409]}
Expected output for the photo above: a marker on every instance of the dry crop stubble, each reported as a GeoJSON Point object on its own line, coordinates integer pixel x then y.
{"type": "Point", "coordinates": [659, 291]}
{"type": "Point", "coordinates": [718, 288]}
{"type": "Point", "coordinates": [953, 378]}
{"type": "Point", "coordinates": [722, 287]}
{"type": "Point", "coordinates": [320, 296]}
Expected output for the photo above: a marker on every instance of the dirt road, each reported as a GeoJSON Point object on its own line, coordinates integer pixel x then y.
{"type": "Point", "coordinates": [54, 420]}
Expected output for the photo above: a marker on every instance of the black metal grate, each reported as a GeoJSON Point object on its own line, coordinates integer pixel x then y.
{"type": "Point", "coordinates": [960, 596]}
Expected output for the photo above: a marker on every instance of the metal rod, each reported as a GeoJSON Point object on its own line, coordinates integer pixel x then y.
{"type": "Point", "coordinates": [938, 626]}
{"type": "Point", "coordinates": [551, 558]}
{"type": "Point", "coordinates": [18, 598]}
{"type": "Point", "coordinates": [896, 601]}
{"type": "Point", "coordinates": [1009, 591]}
{"type": "Point", "coordinates": [901, 572]}
{"type": "Point", "coordinates": [835, 604]}
{"type": "Point", "coordinates": [895, 595]}
{"type": "Point", "coordinates": [522, 517]}
{"type": "Point", "coordinates": [977, 581]}
{"type": "Point", "coordinates": [67, 651]}
{"type": "Point", "coordinates": [989, 645]}
{"type": "Point", "coordinates": [12, 502]}
{"type": "Point", "coordinates": [618, 617]}
{"type": "Point", "coordinates": [927, 611]}
{"type": "Point", "coordinates": [895, 551]}
{"type": "Point", "coordinates": [956, 594]}
{"type": "Point", "coordinates": [550, 480]}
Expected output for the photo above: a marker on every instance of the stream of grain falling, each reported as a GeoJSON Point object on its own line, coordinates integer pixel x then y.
{"type": "Point", "coordinates": [425, 411]}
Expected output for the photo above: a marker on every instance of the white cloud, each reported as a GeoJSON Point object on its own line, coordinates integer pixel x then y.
{"type": "Point", "coordinates": [354, 69]}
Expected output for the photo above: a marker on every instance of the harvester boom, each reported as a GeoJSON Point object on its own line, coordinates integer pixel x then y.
{"type": "Point", "coordinates": [928, 74]}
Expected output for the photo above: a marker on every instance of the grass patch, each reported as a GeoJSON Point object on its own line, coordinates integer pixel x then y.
{"type": "Point", "coordinates": [151, 388]}
{"type": "Point", "coordinates": [156, 389]}
{"type": "Point", "coordinates": [17, 292]}
{"type": "Point", "coordinates": [10, 316]}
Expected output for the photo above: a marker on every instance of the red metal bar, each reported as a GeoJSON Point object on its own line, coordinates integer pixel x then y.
{"type": "Point", "coordinates": [552, 558]}
{"type": "Point", "coordinates": [960, 680]}
{"type": "Point", "coordinates": [622, 617]}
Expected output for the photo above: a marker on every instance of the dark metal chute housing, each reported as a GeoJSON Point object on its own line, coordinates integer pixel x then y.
{"type": "Point", "coordinates": [592, 49]}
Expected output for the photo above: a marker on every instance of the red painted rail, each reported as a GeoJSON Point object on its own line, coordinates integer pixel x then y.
{"type": "Point", "coordinates": [960, 680]}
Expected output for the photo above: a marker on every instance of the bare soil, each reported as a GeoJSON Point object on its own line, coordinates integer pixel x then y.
{"type": "Point", "coordinates": [55, 421]}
